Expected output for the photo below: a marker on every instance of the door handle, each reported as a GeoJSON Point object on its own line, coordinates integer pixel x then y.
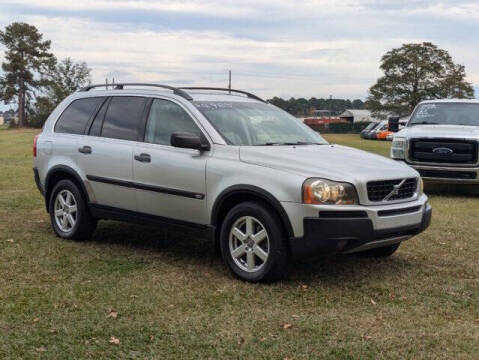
{"type": "Point", "coordinates": [85, 150]}
{"type": "Point", "coordinates": [143, 158]}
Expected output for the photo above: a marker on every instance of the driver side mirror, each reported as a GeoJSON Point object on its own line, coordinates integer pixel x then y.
{"type": "Point", "coordinates": [189, 141]}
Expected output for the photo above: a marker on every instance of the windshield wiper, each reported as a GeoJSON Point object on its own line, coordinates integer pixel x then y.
{"type": "Point", "coordinates": [288, 143]}
{"type": "Point", "coordinates": [424, 123]}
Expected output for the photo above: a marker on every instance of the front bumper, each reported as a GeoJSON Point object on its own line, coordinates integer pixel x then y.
{"type": "Point", "coordinates": [343, 231]}
{"type": "Point", "coordinates": [465, 175]}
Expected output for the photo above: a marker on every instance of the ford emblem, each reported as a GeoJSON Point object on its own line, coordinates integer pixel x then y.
{"type": "Point", "coordinates": [442, 151]}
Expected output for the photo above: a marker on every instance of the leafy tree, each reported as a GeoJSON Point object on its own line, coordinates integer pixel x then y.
{"type": "Point", "coordinates": [416, 72]}
{"type": "Point", "coordinates": [357, 104]}
{"type": "Point", "coordinates": [62, 79]}
{"type": "Point", "coordinates": [65, 78]}
{"type": "Point", "coordinates": [27, 58]}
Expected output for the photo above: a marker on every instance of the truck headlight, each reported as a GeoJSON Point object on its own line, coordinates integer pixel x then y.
{"type": "Point", "coordinates": [420, 187]}
{"type": "Point", "coordinates": [398, 148]}
{"type": "Point", "coordinates": [327, 192]}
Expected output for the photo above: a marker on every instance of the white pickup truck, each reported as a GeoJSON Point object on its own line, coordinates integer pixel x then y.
{"type": "Point", "coordinates": [441, 141]}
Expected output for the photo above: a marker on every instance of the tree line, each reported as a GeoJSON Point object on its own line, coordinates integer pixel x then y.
{"type": "Point", "coordinates": [305, 107]}
{"type": "Point", "coordinates": [36, 81]}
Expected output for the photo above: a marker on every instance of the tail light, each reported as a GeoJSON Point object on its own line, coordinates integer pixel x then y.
{"type": "Point", "coordinates": [35, 145]}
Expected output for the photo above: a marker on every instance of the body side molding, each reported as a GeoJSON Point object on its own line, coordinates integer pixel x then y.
{"type": "Point", "coordinates": [140, 186]}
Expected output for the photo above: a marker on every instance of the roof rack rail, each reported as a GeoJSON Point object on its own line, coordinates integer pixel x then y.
{"type": "Point", "coordinates": [119, 86]}
{"type": "Point", "coordinates": [251, 96]}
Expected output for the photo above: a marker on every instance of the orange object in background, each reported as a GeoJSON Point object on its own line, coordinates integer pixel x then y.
{"type": "Point", "coordinates": [382, 135]}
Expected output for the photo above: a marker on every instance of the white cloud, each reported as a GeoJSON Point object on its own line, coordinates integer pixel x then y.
{"type": "Point", "coordinates": [292, 48]}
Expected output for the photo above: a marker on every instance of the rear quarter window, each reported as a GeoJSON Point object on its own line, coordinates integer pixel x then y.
{"type": "Point", "coordinates": [75, 117]}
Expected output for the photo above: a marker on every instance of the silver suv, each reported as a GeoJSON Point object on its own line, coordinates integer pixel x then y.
{"type": "Point", "coordinates": [264, 186]}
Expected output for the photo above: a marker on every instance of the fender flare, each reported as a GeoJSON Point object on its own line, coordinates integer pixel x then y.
{"type": "Point", "coordinates": [70, 171]}
{"type": "Point", "coordinates": [258, 192]}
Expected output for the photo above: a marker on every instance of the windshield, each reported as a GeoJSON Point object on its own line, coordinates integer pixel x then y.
{"type": "Point", "coordinates": [446, 114]}
{"type": "Point", "coordinates": [250, 123]}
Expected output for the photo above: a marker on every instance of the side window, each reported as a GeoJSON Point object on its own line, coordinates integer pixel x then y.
{"type": "Point", "coordinates": [95, 129]}
{"type": "Point", "coordinates": [123, 117]}
{"type": "Point", "coordinates": [75, 117]}
{"type": "Point", "coordinates": [164, 119]}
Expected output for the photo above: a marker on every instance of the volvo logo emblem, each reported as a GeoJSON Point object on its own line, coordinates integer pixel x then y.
{"type": "Point", "coordinates": [442, 151]}
{"type": "Point", "coordinates": [395, 191]}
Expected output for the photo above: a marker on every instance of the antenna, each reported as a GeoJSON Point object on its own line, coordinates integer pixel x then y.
{"type": "Point", "coordinates": [229, 82]}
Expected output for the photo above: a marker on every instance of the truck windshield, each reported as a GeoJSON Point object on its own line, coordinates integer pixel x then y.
{"type": "Point", "coordinates": [250, 123]}
{"type": "Point", "coordinates": [446, 114]}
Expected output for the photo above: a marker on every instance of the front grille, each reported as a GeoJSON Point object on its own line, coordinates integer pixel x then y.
{"type": "Point", "coordinates": [379, 190]}
{"type": "Point", "coordinates": [448, 151]}
{"type": "Point", "coordinates": [446, 174]}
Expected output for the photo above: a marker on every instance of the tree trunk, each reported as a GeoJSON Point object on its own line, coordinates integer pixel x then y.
{"type": "Point", "coordinates": [21, 103]}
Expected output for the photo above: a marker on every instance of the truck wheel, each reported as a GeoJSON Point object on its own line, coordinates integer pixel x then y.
{"type": "Point", "coordinates": [384, 251]}
{"type": "Point", "coordinates": [253, 244]}
{"type": "Point", "coordinates": [69, 214]}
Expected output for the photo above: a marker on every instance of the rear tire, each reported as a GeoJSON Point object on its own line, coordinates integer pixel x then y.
{"type": "Point", "coordinates": [69, 213]}
{"type": "Point", "coordinates": [381, 252]}
{"type": "Point", "coordinates": [253, 245]}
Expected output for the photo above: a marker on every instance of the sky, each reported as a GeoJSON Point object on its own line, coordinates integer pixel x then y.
{"type": "Point", "coordinates": [300, 48]}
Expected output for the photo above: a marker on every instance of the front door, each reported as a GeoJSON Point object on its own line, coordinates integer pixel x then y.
{"type": "Point", "coordinates": [170, 181]}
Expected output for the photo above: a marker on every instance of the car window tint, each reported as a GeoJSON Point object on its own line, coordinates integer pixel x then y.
{"type": "Point", "coordinates": [74, 119]}
{"type": "Point", "coordinates": [95, 128]}
{"type": "Point", "coordinates": [123, 117]}
{"type": "Point", "coordinates": [166, 118]}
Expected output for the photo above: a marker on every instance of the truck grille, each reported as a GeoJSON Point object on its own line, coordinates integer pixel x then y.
{"type": "Point", "coordinates": [385, 190]}
{"type": "Point", "coordinates": [449, 151]}
{"type": "Point", "coordinates": [447, 174]}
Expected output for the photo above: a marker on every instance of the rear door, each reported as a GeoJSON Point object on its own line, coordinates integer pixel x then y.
{"type": "Point", "coordinates": [107, 153]}
{"type": "Point", "coordinates": [170, 181]}
{"type": "Point", "coordinates": [70, 129]}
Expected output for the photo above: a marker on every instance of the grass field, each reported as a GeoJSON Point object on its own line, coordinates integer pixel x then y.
{"type": "Point", "coordinates": [143, 293]}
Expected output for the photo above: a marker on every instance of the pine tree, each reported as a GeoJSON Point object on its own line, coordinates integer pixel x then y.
{"type": "Point", "coordinates": [27, 58]}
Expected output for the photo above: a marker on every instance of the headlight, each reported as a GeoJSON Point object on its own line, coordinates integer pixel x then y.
{"type": "Point", "coordinates": [326, 192]}
{"type": "Point", "coordinates": [420, 187]}
{"type": "Point", "coordinates": [398, 147]}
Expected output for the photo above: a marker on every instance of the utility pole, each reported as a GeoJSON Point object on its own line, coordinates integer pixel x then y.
{"type": "Point", "coordinates": [330, 106]}
{"type": "Point", "coordinates": [229, 82]}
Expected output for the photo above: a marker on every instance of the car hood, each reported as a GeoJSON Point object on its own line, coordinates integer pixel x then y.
{"type": "Point", "coordinates": [446, 131]}
{"type": "Point", "coordinates": [334, 162]}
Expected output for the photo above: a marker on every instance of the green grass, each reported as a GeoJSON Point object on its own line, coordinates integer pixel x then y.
{"type": "Point", "coordinates": [175, 299]}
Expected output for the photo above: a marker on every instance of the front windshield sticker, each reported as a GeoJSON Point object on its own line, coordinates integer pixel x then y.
{"type": "Point", "coordinates": [426, 111]}
{"type": "Point", "coordinates": [209, 106]}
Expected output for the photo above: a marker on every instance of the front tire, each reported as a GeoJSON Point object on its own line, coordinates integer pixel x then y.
{"type": "Point", "coordinates": [252, 243]}
{"type": "Point", "coordinates": [69, 213]}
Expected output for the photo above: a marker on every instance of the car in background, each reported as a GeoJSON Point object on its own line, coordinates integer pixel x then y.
{"type": "Point", "coordinates": [381, 126]}
{"type": "Point", "coordinates": [388, 134]}
{"type": "Point", "coordinates": [367, 129]}
{"type": "Point", "coordinates": [382, 135]}
{"type": "Point", "coordinates": [372, 132]}
{"type": "Point", "coordinates": [441, 141]}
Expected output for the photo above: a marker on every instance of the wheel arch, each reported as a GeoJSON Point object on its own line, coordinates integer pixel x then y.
{"type": "Point", "coordinates": [236, 194]}
{"type": "Point", "coordinates": [60, 172]}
